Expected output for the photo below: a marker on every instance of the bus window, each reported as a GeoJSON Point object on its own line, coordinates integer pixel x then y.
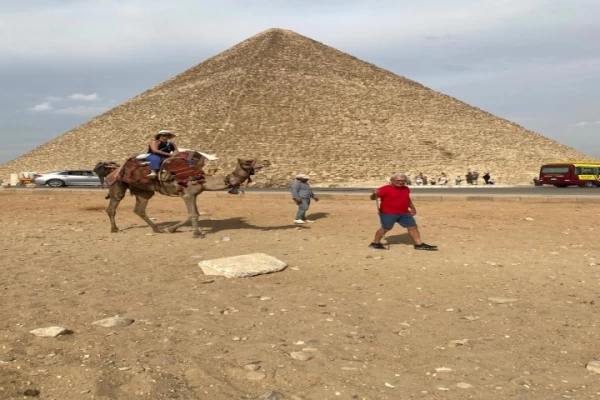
{"type": "Point", "coordinates": [585, 171]}
{"type": "Point", "coordinates": [555, 170]}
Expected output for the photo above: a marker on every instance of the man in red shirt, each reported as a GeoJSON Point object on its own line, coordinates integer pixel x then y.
{"type": "Point", "coordinates": [397, 207]}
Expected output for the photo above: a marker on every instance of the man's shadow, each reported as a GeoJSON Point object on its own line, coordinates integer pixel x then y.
{"type": "Point", "coordinates": [317, 216]}
{"type": "Point", "coordinates": [403, 238]}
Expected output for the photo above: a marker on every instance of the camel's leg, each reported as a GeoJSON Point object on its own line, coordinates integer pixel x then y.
{"type": "Point", "coordinates": [141, 202]}
{"type": "Point", "coordinates": [101, 177]}
{"type": "Point", "coordinates": [116, 193]}
{"type": "Point", "coordinates": [194, 215]}
{"type": "Point", "coordinates": [190, 203]}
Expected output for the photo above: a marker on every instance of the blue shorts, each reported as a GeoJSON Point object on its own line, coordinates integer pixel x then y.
{"type": "Point", "coordinates": [404, 220]}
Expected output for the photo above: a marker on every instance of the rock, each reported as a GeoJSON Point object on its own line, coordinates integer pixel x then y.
{"type": "Point", "coordinates": [114, 322]}
{"type": "Point", "coordinates": [252, 367]}
{"type": "Point", "coordinates": [529, 219]}
{"type": "Point", "coordinates": [355, 335]}
{"type": "Point", "coordinates": [242, 266]}
{"type": "Point", "coordinates": [31, 393]}
{"type": "Point", "coordinates": [593, 366]}
{"type": "Point", "coordinates": [464, 385]}
{"type": "Point", "coordinates": [389, 385]}
{"type": "Point", "coordinates": [470, 318]}
{"type": "Point", "coordinates": [456, 343]}
{"type": "Point", "coordinates": [52, 331]}
{"type": "Point", "coordinates": [256, 376]}
{"type": "Point", "coordinates": [6, 358]}
{"type": "Point", "coordinates": [301, 356]}
{"type": "Point", "coordinates": [443, 369]}
{"type": "Point", "coordinates": [272, 396]}
{"type": "Point", "coordinates": [519, 380]}
{"type": "Point", "coordinates": [501, 300]}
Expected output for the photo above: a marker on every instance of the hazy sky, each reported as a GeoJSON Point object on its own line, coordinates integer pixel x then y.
{"type": "Point", "coordinates": [534, 62]}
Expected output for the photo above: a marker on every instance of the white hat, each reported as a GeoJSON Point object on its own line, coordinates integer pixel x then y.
{"type": "Point", "coordinates": [302, 176]}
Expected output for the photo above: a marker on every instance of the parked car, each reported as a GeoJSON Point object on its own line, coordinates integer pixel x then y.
{"type": "Point", "coordinates": [77, 177]}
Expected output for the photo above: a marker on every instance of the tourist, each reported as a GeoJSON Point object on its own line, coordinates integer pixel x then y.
{"type": "Point", "coordinates": [397, 207]}
{"type": "Point", "coordinates": [302, 194]}
{"type": "Point", "coordinates": [469, 178]}
{"type": "Point", "coordinates": [457, 180]}
{"type": "Point", "coordinates": [419, 179]}
{"type": "Point", "coordinates": [443, 180]}
{"type": "Point", "coordinates": [486, 178]}
{"type": "Point", "coordinates": [475, 177]}
{"type": "Point", "coordinates": [159, 149]}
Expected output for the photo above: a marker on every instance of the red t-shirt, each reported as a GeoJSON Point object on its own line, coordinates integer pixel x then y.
{"type": "Point", "coordinates": [394, 200]}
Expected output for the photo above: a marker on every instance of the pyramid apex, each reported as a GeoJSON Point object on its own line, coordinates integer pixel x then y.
{"type": "Point", "coordinates": [277, 31]}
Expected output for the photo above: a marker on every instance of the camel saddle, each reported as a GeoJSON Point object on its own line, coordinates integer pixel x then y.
{"type": "Point", "coordinates": [135, 171]}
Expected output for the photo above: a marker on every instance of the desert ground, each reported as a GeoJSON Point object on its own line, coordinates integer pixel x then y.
{"type": "Point", "coordinates": [391, 324]}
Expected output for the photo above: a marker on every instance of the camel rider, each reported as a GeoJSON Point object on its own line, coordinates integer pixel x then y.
{"type": "Point", "coordinates": [159, 149]}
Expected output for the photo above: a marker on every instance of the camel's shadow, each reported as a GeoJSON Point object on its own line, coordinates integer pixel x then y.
{"type": "Point", "coordinates": [213, 226]}
{"type": "Point", "coordinates": [403, 238]}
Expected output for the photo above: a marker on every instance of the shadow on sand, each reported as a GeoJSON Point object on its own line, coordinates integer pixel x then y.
{"type": "Point", "coordinates": [317, 216]}
{"type": "Point", "coordinates": [403, 238]}
{"type": "Point", "coordinates": [219, 225]}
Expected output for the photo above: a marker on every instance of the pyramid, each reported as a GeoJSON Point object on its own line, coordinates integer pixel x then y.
{"type": "Point", "coordinates": [308, 108]}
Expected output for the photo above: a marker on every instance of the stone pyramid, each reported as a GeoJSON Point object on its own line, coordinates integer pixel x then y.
{"type": "Point", "coordinates": [308, 108]}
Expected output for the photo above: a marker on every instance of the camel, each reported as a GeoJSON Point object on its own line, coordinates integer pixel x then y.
{"type": "Point", "coordinates": [103, 169]}
{"type": "Point", "coordinates": [144, 192]}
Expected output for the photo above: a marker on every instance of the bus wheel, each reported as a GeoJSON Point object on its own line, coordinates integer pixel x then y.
{"type": "Point", "coordinates": [589, 184]}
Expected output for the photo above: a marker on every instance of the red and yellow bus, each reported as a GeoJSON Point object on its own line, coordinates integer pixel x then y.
{"type": "Point", "coordinates": [562, 174]}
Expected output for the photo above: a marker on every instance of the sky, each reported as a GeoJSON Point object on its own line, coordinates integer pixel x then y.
{"type": "Point", "coordinates": [534, 62]}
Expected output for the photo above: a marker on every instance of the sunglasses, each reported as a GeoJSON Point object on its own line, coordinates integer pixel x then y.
{"type": "Point", "coordinates": [399, 180]}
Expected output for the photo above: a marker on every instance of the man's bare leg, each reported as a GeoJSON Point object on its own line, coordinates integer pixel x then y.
{"type": "Point", "coordinates": [413, 231]}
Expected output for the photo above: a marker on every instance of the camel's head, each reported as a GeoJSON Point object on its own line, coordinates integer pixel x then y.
{"type": "Point", "coordinates": [252, 165]}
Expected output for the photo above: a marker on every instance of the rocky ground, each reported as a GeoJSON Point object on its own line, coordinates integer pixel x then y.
{"type": "Point", "coordinates": [507, 308]}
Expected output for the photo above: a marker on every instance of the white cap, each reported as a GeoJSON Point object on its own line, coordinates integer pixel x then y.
{"type": "Point", "coordinates": [302, 176]}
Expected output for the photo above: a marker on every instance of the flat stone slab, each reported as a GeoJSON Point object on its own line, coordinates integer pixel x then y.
{"type": "Point", "coordinates": [242, 266]}
{"type": "Point", "coordinates": [114, 322]}
{"type": "Point", "coordinates": [501, 300]}
{"type": "Point", "coordinates": [51, 331]}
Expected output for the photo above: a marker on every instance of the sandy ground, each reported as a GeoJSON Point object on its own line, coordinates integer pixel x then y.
{"type": "Point", "coordinates": [377, 323]}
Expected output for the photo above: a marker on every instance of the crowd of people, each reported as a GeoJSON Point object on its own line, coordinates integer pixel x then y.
{"type": "Point", "coordinates": [471, 178]}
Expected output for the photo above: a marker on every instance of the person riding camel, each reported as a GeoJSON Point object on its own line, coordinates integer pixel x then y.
{"type": "Point", "coordinates": [159, 149]}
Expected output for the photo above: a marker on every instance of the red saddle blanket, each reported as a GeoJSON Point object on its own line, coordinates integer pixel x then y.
{"type": "Point", "coordinates": [181, 169]}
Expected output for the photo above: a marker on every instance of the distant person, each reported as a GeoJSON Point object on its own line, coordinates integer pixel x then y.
{"type": "Point", "coordinates": [443, 180]}
{"type": "Point", "coordinates": [536, 181]}
{"type": "Point", "coordinates": [159, 149]}
{"type": "Point", "coordinates": [302, 194]}
{"type": "Point", "coordinates": [469, 178]}
{"type": "Point", "coordinates": [475, 177]}
{"type": "Point", "coordinates": [486, 178]}
{"type": "Point", "coordinates": [425, 180]}
{"type": "Point", "coordinates": [419, 180]}
{"type": "Point", "coordinates": [397, 207]}
{"type": "Point", "coordinates": [457, 180]}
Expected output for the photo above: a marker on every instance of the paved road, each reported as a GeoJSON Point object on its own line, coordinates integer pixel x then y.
{"type": "Point", "coordinates": [470, 191]}
{"type": "Point", "coordinates": [446, 191]}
